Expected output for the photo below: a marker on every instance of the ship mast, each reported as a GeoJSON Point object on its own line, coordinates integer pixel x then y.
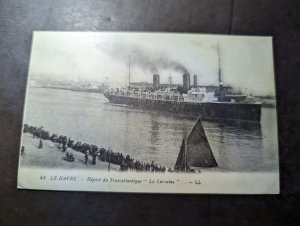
{"type": "Point", "coordinates": [170, 81]}
{"type": "Point", "coordinates": [185, 148]}
{"type": "Point", "coordinates": [219, 62]}
{"type": "Point", "coordinates": [129, 71]}
{"type": "Point", "coordinates": [221, 94]}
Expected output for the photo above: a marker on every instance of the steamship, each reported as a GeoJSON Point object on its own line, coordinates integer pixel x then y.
{"type": "Point", "coordinates": [206, 102]}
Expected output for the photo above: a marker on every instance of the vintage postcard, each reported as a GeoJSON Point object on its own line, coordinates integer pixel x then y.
{"type": "Point", "coordinates": [150, 113]}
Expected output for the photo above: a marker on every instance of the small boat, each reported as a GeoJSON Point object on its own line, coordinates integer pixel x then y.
{"type": "Point", "coordinates": [195, 150]}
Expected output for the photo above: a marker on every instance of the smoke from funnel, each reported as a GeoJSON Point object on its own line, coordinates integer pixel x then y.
{"type": "Point", "coordinates": [145, 60]}
{"type": "Point", "coordinates": [153, 70]}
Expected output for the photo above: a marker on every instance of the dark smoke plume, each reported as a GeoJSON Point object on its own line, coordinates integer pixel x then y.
{"type": "Point", "coordinates": [153, 70]}
{"type": "Point", "coordinates": [147, 61]}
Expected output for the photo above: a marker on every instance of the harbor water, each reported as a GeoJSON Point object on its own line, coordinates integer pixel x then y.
{"type": "Point", "coordinates": [151, 135]}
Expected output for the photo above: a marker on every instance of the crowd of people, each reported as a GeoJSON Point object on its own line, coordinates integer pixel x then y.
{"type": "Point", "coordinates": [126, 163]}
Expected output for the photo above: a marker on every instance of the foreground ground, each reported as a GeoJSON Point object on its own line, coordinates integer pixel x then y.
{"type": "Point", "coordinates": [50, 156]}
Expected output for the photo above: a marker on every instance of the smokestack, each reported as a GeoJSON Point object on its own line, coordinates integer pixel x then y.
{"type": "Point", "coordinates": [186, 82]}
{"type": "Point", "coordinates": [155, 82]}
{"type": "Point", "coordinates": [195, 81]}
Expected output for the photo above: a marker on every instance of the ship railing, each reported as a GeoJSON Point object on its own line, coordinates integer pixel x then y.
{"type": "Point", "coordinates": [150, 96]}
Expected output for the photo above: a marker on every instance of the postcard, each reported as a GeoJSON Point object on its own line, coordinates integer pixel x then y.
{"type": "Point", "coordinates": [150, 112]}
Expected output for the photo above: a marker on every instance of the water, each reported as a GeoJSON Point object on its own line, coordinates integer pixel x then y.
{"type": "Point", "coordinates": [151, 135]}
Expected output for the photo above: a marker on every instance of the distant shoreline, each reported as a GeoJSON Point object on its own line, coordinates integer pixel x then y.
{"type": "Point", "coordinates": [74, 89]}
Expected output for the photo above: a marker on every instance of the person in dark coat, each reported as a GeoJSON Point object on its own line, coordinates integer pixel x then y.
{"type": "Point", "coordinates": [94, 158]}
{"type": "Point", "coordinates": [40, 144]}
{"type": "Point", "coordinates": [86, 156]}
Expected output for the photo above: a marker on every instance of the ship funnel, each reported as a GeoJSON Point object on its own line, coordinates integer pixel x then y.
{"type": "Point", "coordinates": [186, 82]}
{"type": "Point", "coordinates": [155, 82]}
{"type": "Point", "coordinates": [195, 81]}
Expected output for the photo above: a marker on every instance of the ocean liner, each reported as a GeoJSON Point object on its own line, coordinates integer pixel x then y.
{"type": "Point", "coordinates": [208, 102]}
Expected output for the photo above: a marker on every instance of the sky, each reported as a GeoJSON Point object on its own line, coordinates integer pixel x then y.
{"type": "Point", "coordinates": [246, 61]}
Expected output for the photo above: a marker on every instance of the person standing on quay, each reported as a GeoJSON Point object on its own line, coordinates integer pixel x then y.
{"type": "Point", "coordinates": [86, 156]}
{"type": "Point", "coordinates": [94, 158]}
{"type": "Point", "coordinates": [40, 144]}
{"type": "Point", "coordinates": [109, 153]}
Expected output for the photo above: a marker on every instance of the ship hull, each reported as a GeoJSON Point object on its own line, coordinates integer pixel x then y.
{"type": "Point", "coordinates": [213, 110]}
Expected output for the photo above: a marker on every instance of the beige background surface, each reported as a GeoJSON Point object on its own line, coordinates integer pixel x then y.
{"type": "Point", "coordinates": [256, 17]}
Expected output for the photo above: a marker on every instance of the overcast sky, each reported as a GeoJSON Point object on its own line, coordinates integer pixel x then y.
{"type": "Point", "coordinates": [246, 62]}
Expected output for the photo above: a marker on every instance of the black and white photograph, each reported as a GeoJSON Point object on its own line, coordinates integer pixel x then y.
{"type": "Point", "coordinates": [150, 112]}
